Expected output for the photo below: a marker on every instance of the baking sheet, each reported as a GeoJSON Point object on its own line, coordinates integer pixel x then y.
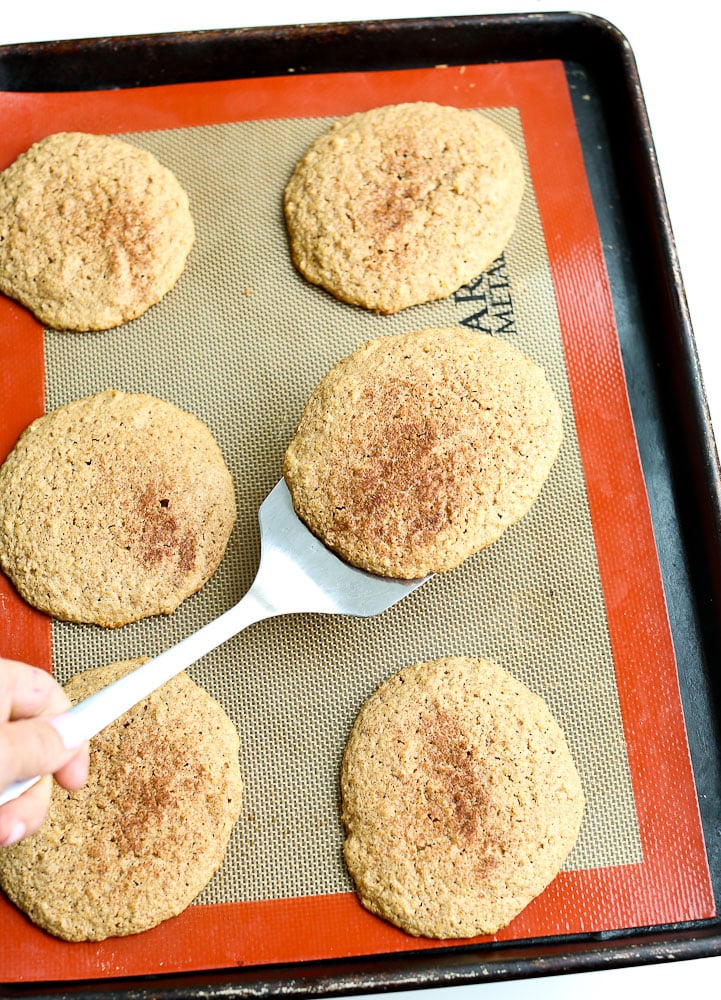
{"type": "Point", "coordinates": [591, 351]}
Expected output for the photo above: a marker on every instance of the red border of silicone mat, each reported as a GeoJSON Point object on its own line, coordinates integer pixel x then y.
{"type": "Point", "coordinates": [672, 883]}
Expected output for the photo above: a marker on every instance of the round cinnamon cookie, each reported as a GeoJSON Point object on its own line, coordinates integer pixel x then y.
{"type": "Point", "coordinates": [460, 799]}
{"type": "Point", "coordinates": [93, 231]}
{"type": "Point", "coordinates": [138, 843]}
{"type": "Point", "coordinates": [420, 449]}
{"type": "Point", "coordinates": [403, 204]}
{"type": "Point", "coordinates": [113, 508]}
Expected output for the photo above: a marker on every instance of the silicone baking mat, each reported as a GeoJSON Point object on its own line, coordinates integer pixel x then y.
{"type": "Point", "coordinates": [570, 600]}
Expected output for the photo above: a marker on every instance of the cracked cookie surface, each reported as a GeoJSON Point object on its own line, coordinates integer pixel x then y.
{"type": "Point", "coordinates": [460, 799]}
{"type": "Point", "coordinates": [403, 204]}
{"type": "Point", "coordinates": [420, 449]}
{"type": "Point", "coordinates": [113, 508]}
{"type": "Point", "coordinates": [93, 231]}
{"type": "Point", "coordinates": [145, 835]}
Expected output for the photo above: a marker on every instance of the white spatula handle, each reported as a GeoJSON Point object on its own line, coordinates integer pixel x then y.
{"type": "Point", "coordinates": [89, 717]}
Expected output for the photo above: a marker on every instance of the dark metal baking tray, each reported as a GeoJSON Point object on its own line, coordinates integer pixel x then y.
{"type": "Point", "coordinates": [675, 438]}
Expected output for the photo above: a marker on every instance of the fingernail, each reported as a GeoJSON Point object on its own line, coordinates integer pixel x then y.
{"type": "Point", "coordinates": [17, 833]}
{"type": "Point", "coordinates": [64, 726]}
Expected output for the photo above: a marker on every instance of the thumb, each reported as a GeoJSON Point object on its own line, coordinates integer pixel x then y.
{"type": "Point", "coordinates": [29, 747]}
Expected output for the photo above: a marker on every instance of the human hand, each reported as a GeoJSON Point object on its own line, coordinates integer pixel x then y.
{"type": "Point", "coordinates": [29, 745]}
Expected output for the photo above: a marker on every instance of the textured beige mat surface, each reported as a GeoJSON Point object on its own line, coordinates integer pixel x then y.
{"type": "Point", "coordinates": [241, 341]}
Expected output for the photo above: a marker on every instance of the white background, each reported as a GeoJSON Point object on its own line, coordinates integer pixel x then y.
{"type": "Point", "coordinates": [676, 49]}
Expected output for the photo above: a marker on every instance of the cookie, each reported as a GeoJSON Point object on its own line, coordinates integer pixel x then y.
{"type": "Point", "coordinates": [138, 843]}
{"type": "Point", "coordinates": [460, 799]}
{"type": "Point", "coordinates": [93, 231]}
{"type": "Point", "coordinates": [403, 204]}
{"type": "Point", "coordinates": [420, 449]}
{"type": "Point", "coordinates": [113, 508]}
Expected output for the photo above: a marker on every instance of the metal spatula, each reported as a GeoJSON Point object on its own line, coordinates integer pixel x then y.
{"type": "Point", "coordinates": [297, 573]}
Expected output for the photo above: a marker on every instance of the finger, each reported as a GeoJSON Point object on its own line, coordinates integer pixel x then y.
{"type": "Point", "coordinates": [74, 774]}
{"type": "Point", "coordinates": [24, 815]}
{"type": "Point", "coordinates": [29, 747]}
{"type": "Point", "coordinates": [26, 691]}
